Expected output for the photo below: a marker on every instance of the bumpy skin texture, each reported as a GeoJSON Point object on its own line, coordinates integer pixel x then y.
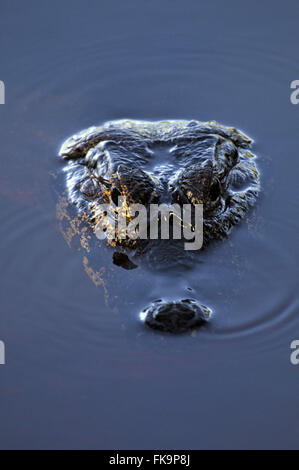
{"type": "Point", "coordinates": [175, 316]}
{"type": "Point", "coordinates": [164, 162]}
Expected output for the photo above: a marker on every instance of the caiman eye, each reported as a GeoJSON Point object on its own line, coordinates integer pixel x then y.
{"type": "Point", "coordinates": [115, 195]}
{"type": "Point", "coordinates": [215, 190]}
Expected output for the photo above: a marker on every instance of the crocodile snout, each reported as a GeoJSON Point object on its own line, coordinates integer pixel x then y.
{"type": "Point", "coordinates": [175, 316]}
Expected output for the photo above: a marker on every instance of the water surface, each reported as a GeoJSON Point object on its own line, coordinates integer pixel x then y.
{"type": "Point", "coordinates": [81, 371]}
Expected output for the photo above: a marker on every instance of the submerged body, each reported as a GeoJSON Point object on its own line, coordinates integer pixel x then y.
{"type": "Point", "coordinates": [166, 162]}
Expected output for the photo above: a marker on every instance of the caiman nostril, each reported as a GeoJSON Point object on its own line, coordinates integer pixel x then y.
{"type": "Point", "coordinates": [176, 316]}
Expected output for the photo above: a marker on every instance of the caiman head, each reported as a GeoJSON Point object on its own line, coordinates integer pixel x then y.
{"type": "Point", "coordinates": [184, 163]}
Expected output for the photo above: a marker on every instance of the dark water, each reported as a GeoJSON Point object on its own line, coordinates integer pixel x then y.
{"type": "Point", "coordinates": [81, 372]}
